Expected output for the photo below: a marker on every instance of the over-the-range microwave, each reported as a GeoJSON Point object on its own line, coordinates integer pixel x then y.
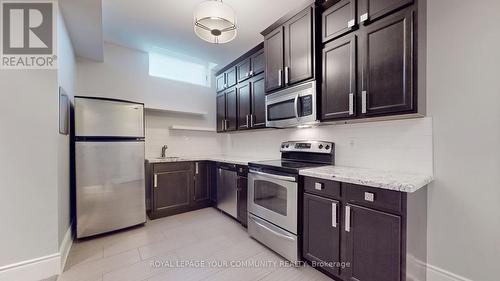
{"type": "Point", "coordinates": [292, 107]}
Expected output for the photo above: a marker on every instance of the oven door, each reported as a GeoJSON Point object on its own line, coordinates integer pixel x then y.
{"type": "Point", "coordinates": [274, 198]}
{"type": "Point", "coordinates": [292, 107]}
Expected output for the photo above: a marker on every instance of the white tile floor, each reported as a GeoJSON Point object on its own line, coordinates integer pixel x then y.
{"type": "Point", "coordinates": [203, 235]}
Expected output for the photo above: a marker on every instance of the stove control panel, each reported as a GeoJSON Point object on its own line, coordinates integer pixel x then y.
{"type": "Point", "coordinates": [308, 146]}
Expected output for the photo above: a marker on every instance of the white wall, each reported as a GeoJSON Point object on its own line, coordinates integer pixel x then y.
{"type": "Point", "coordinates": [66, 79]}
{"type": "Point", "coordinates": [124, 74]}
{"type": "Point", "coordinates": [464, 100]}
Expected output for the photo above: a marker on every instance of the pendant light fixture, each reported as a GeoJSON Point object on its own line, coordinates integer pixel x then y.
{"type": "Point", "coordinates": [215, 22]}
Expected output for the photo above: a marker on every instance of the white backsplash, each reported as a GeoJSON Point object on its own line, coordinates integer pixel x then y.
{"type": "Point", "coordinates": [401, 145]}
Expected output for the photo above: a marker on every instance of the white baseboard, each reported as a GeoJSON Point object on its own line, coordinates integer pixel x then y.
{"type": "Point", "coordinates": [435, 273]}
{"type": "Point", "coordinates": [65, 247]}
{"type": "Point", "coordinates": [39, 268]}
{"type": "Point", "coordinates": [32, 270]}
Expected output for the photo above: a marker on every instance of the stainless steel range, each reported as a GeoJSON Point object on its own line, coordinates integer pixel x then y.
{"type": "Point", "coordinates": [273, 191]}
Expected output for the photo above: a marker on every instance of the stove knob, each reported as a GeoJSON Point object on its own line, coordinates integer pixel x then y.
{"type": "Point", "coordinates": [287, 146]}
{"type": "Point", "coordinates": [320, 146]}
{"type": "Point", "coordinates": [327, 147]}
{"type": "Point", "coordinates": [282, 146]}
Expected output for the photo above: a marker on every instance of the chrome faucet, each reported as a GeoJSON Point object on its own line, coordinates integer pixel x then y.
{"type": "Point", "coordinates": [163, 151]}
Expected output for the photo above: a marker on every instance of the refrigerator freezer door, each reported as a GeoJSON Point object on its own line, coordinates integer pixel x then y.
{"type": "Point", "coordinates": [105, 118]}
{"type": "Point", "coordinates": [110, 188]}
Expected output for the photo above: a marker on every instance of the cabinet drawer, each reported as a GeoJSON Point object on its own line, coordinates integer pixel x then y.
{"type": "Point", "coordinates": [173, 166]}
{"type": "Point", "coordinates": [376, 198]}
{"type": "Point", "coordinates": [322, 187]}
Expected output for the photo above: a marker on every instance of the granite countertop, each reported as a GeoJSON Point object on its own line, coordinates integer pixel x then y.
{"type": "Point", "coordinates": [238, 160]}
{"type": "Point", "coordinates": [404, 182]}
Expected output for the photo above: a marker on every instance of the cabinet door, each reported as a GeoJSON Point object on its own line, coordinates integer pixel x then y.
{"type": "Point", "coordinates": [321, 241]}
{"type": "Point", "coordinates": [242, 200]}
{"type": "Point", "coordinates": [388, 65]}
{"type": "Point", "coordinates": [201, 191]}
{"type": "Point", "coordinates": [258, 118]}
{"type": "Point", "coordinates": [299, 47]}
{"type": "Point", "coordinates": [220, 82]}
{"type": "Point", "coordinates": [338, 20]}
{"type": "Point", "coordinates": [243, 70]}
{"type": "Point", "coordinates": [171, 189]}
{"type": "Point", "coordinates": [273, 49]}
{"type": "Point", "coordinates": [231, 110]}
{"type": "Point", "coordinates": [371, 10]}
{"type": "Point", "coordinates": [231, 77]}
{"type": "Point", "coordinates": [221, 112]}
{"type": "Point", "coordinates": [244, 109]}
{"type": "Point", "coordinates": [258, 63]}
{"type": "Point", "coordinates": [339, 78]}
{"type": "Point", "coordinates": [373, 244]}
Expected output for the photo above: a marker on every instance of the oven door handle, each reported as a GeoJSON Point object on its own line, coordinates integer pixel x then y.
{"type": "Point", "coordinates": [277, 177]}
{"type": "Point", "coordinates": [280, 234]}
{"type": "Point", "coordinates": [296, 105]}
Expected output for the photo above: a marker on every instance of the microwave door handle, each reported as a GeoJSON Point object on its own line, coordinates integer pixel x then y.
{"type": "Point", "coordinates": [296, 105]}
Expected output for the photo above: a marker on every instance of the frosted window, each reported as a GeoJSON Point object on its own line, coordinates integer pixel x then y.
{"type": "Point", "coordinates": [168, 65]}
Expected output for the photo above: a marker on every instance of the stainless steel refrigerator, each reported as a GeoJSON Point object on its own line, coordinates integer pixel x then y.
{"type": "Point", "coordinates": [109, 165]}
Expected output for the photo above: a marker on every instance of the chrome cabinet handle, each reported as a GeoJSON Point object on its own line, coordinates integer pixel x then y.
{"type": "Point", "coordinates": [318, 186]}
{"type": "Point", "coordinates": [287, 70]}
{"type": "Point", "coordinates": [247, 121]}
{"type": "Point", "coordinates": [251, 120]}
{"type": "Point", "coordinates": [334, 214]}
{"type": "Point", "coordinates": [363, 17]}
{"type": "Point", "coordinates": [347, 218]}
{"type": "Point", "coordinates": [226, 122]}
{"type": "Point", "coordinates": [222, 124]}
{"type": "Point", "coordinates": [279, 78]}
{"type": "Point", "coordinates": [363, 101]}
{"type": "Point", "coordinates": [196, 167]}
{"type": "Point", "coordinates": [155, 180]}
{"type": "Point", "coordinates": [351, 104]}
{"type": "Point", "coordinates": [351, 23]}
{"type": "Point", "coordinates": [370, 197]}
{"type": "Point", "coordinates": [251, 72]}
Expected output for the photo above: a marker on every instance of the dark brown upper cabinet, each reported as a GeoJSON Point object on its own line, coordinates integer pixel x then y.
{"type": "Point", "coordinates": [373, 245]}
{"type": "Point", "coordinates": [258, 62]}
{"type": "Point", "coordinates": [274, 53]}
{"type": "Point", "coordinates": [226, 79]}
{"type": "Point", "coordinates": [372, 10]}
{"type": "Point", "coordinates": [250, 66]}
{"type": "Point", "coordinates": [321, 231]}
{"type": "Point", "coordinates": [201, 192]}
{"type": "Point", "coordinates": [388, 65]}
{"type": "Point", "coordinates": [226, 111]}
{"type": "Point", "coordinates": [338, 20]}
{"type": "Point", "coordinates": [220, 82]}
{"type": "Point", "coordinates": [339, 78]}
{"type": "Point", "coordinates": [289, 50]}
{"type": "Point", "coordinates": [258, 116]}
{"type": "Point", "coordinates": [299, 47]}
{"type": "Point", "coordinates": [221, 112]}
{"type": "Point", "coordinates": [244, 105]}
{"type": "Point", "coordinates": [231, 110]}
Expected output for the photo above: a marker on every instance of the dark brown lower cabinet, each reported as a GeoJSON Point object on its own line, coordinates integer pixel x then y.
{"type": "Point", "coordinates": [242, 193]}
{"type": "Point", "coordinates": [201, 193]}
{"type": "Point", "coordinates": [321, 240]}
{"type": "Point", "coordinates": [178, 187]}
{"type": "Point", "coordinates": [373, 245]}
{"type": "Point", "coordinates": [363, 233]}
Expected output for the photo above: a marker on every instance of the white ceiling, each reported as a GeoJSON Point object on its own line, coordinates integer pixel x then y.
{"type": "Point", "coordinates": [169, 24]}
